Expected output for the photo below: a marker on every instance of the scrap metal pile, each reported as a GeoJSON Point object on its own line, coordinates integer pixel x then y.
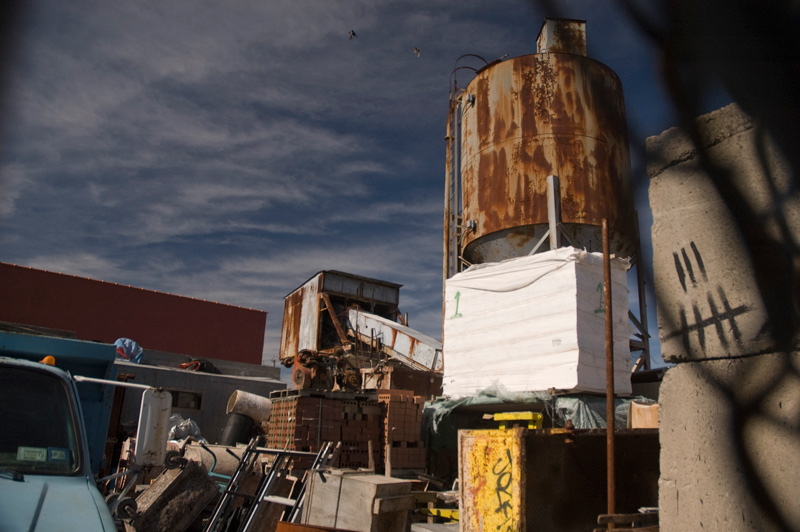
{"type": "Point", "coordinates": [337, 324]}
{"type": "Point", "coordinates": [266, 484]}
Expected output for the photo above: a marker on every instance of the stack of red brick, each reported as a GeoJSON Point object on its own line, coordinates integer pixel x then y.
{"type": "Point", "coordinates": [305, 422]}
{"type": "Point", "coordinates": [402, 444]}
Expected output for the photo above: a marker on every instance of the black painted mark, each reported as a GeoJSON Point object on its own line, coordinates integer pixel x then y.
{"type": "Point", "coordinates": [737, 335]}
{"type": "Point", "coordinates": [689, 268]}
{"type": "Point", "coordinates": [717, 319]}
{"type": "Point", "coordinates": [682, 268]}
{"type": "Point", "coordinates": [502, 488]}
{"type": "Point", "coordinates": [701, 331]}
{"type": "Point", "coordinates": [723, 320]}
{"type": "Point", "coordinates": [717, 322]}
{"type": "Point", "coordinates": [699, 260]}
{"type": "Point", "coordinates": [679, 270]}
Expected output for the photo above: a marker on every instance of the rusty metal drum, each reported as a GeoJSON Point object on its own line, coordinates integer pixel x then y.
{"type": "Point", "coordinates": [530, 117]}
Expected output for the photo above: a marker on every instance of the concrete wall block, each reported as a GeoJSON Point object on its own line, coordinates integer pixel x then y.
{"type": "Point", "coordinates": [708, 301]}
{"type": "Point", "coordinates": [730, 442]}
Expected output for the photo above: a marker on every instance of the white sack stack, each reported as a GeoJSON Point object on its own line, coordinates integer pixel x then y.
{"type": "Point", "coordinates": [535, 323]}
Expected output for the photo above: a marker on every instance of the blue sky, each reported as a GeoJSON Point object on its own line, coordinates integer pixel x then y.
{"type": "Point", "coordinates": [229, 150]}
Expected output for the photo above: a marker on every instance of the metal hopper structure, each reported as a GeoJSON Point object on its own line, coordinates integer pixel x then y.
{"type": "Point", "coordinates": [337, 324]}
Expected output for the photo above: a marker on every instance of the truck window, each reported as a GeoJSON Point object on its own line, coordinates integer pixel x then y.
{"type": "Point", "coordinates": [38, 423]}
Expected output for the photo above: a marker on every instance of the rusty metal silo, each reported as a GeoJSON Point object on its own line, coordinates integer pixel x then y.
{"type": "Point", "coordinates": [537, 147]}
{"type": "Point", "coordinates": [556, 112]}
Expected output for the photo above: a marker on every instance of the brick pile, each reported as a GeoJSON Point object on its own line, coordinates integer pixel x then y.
{"type": "Point", "coordinates": [401, 429]}
{"type": "Point", "coordinates": [304, 422]}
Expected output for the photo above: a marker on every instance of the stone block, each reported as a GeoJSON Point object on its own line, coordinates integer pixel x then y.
{"type": "Point", "coordinates": [730, 442]}
{"type": "Point", "coordinates": [709, 302]}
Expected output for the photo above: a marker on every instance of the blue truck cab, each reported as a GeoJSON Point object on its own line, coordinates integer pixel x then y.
{"type": "Point", "coordinates": [46, 479]}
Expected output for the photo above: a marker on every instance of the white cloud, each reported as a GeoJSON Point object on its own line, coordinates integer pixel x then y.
{"type": "Point", "coordinates": [361, 167]}
{"type": "Point", "coordinates": [407, 212]}
{"type": "Point", "coordinates": [79, 263]}
{"type": "Point", "coordinates": [12, 185]}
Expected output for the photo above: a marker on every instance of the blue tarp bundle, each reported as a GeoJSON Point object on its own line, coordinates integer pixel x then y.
{"type": "Point", "coordinates": [128, 350]}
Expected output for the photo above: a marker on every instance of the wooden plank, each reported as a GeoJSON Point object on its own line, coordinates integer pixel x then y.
{"type": "Point", "coordinates": [279, 500]}
{"type": "Point", "coordinates": [335, 319]}
{"type": "Point", "coordinates": [653, 528]}
{"type": "Point", "coordinates": [627, 519]}
{"type": "Point", "coordinates": [392, 503]}
{"type": "Point", "coordinates": [425, 496]}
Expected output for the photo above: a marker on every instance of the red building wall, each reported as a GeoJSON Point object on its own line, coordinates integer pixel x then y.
{"type": "Point", "coordinates": [101, 311]}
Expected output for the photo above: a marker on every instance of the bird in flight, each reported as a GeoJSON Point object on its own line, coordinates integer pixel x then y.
{"type": "Point", "coordinates": [353, 34]}
{"type": "Point", "coordinates": [416, 51]}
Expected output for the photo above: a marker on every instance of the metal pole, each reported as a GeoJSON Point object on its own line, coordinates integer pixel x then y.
{"type": "Point", "coordinates": [80, 378]}
{"type": "Point", "coordinates": [448, 191]}
{"type": "Point", "coordinates": [642, 299]}
{"type": "Point", "coordinates": [609, 370]}
{"type": "Point", "coordinates": [553, 210]}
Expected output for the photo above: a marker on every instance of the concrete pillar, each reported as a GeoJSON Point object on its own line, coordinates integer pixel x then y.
{"type": "Point", "coordinates": [730, 408]}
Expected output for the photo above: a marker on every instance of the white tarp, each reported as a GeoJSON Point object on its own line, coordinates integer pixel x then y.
{"type": "Point", "coordinates": [535, 323]}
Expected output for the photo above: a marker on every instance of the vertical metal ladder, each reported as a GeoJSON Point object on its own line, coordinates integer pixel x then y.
{"type": "Point", "coordinates": [242, 518]}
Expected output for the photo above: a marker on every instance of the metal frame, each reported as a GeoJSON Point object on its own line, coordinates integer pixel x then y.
{"type": "Point", "coordinates": [263, 493]}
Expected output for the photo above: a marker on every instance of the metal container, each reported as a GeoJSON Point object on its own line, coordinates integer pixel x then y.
{"type": "Point", "coordinates": [306, 325]}
{"type": "Point", "coordinates": [238, 429]}
{"type": "Point", "coordinates": [153, 428]}
{"type": "Point", "coordinates": [493, 471]}
{"type": "Point", "coordinates": [559, 113]}
{"type": "Point", "coordinates": [551, 480]}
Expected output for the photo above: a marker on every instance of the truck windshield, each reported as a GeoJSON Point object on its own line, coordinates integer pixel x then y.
{"type": "Point", "coordinates": [38, 433]}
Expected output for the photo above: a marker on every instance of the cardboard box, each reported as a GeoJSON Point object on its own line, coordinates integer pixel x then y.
{"type": "Point", "coordinates": [642, 416]}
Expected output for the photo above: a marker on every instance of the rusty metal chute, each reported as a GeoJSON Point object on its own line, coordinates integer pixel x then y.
{"type": "Point", "coordinates": [401, 343]}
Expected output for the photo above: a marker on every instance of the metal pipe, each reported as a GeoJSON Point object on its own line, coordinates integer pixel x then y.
{"type": "Point", "coordinates": [553, 210]}
{"type": "Point", "coordinates": [457, 204]}
{"type": "Point", "coordinates": [609, 370]}
{"type": "Point", "coordinates": [125, 384]}
{"type": "Point", "coordinates": [448, 190]}
{"type": "Point", "coordinates": [254, 406]}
